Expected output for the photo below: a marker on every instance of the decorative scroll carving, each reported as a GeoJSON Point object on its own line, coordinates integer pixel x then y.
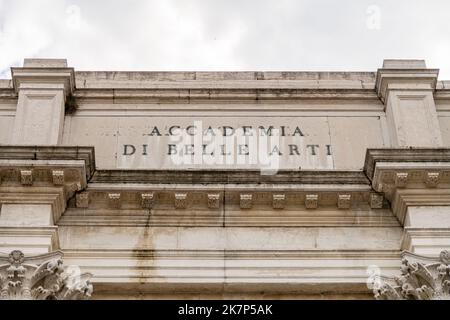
{"type": "Point", "coordinates": [278, 201]}
{"type": "Point", "coordinates": [58, 177]}
{"type": "Point", "coordinates": [114, 200]}
{"type": "Point", "coordinates": [418, 280]}
{"type": "Point", "coordinates": [376, 201]}
{"type": "Point", "coordinates": [26, 177]}
{"type": "Point", "coordinates": [147, 200]}
{"type": "Point", "coordinates": [344, 201]}
{"type": "Point", "coordinates": [311, 201]}
{"type": "Point", "coordinates": [401, 179]}
{"type": "Point", "coordinates": [40, 278]}
{"type": "Point", "coordinates": [245, 201]}
{"type": "Point", "coordinates": [180, 200]}
{"type": "Point", "coordinates": [432, 179]}
{"type": "Point", "coordinates": [82, 200]}
{"type": "Point", "coordinates": [213, 200]}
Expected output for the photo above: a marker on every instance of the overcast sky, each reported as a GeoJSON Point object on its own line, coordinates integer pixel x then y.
{"type": "Point", "coordinates": [353, 35]}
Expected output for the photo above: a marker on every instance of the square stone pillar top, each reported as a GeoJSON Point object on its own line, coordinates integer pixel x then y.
{"type": "Point", "coordinates": [403, 64]}
{"type": "Point", "coordinates": [45, 63]}
{"type": "Point", "coordinates": [398, 74]}
{"type": "Point", "coordinates": [44, 74]}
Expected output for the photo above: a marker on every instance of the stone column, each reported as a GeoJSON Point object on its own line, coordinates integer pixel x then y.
{"type": "Point", "coordinates": [43, 86]}
{"type": "Point", "coordinates": [406, 88]}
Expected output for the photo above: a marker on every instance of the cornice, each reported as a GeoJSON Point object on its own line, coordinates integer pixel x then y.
{"type": "Point", "coordinates": [181, 93]}
{"type": "Point", "coordinates": [220, 79]}
{"type": "Point", "coordinates": [44, 175]}
{"type": "Point", "coordinates": [410, 177]}
{"type": "Point", "coordinates": [43, 78]}
{"type": "Point", "coordinates": [405, 79]}
{"type": "Point", "coordinates": [402, 199]}
{"type": "Point", "coordinates": [435, 238]}
{"type": "Point", "coordinates": [86, 154]}
{"type": "Point", "coordinates": [403, 155]}
{"type": "Point", "coordinates": [228, 177]}
{"type": "Point", "coordinates": [228, 197]}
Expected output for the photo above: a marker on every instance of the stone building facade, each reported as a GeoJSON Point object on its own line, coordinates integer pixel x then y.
{"type": "Point", "coordinates": [225, 184]}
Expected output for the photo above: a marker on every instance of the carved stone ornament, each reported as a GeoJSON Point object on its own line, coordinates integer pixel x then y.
{"type": "Point", "coordinates": [41, 278]}
{"type": "Point", "coordinates": [278, 201]}
{"type": "Point", "coordinates": [344, 201]}
{"type": "Point", "coordinates": [147, 200]}
{"type": "Point", "coordinates": [180, 200]}
{"type": "Point", "coordinates": [58, 177]}
{"type": "Point", "coordinates": [376, 201]}
{"type": "Point", "coordinates": [311, 201]}
{"type": "Point", "coordinates": [246, 201]}
{"type": "Point", "coordinates": [114, 200]}
{"type": "Point", "coordinates": [432, 179]}
{"type": "Point", "coordinates": [26, 177]}
{"type": "Point", "coordinates": [401, 179]}
{"type": "Point", "coordinates": [418, 280]}
{"type": "Point", "coordinates": [213, 200]}
{"type": "Point", "coordinates": [82, 200]}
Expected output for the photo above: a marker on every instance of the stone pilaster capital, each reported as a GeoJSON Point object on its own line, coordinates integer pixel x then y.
{"type": "Point", "coordinates": [44, 74]}
{"type": "Point", "coordinates": [408, 75]}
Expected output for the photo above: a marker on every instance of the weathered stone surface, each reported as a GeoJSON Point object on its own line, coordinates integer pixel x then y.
{"type": "Point", "coordinates": [432, 179]}
{"type": "Point", "coordinates": [149, 224]}
{"type": "Point", "coordinates": [58, 177]}
{"type": "Point", "coordinates": [114, 200]}
{"type": "Point", "coordinates": [213, 200]}
{"type": "Point", "coordinates": [344, 201]}
{"type": "Point", "coordinates": [147, 200]}
{"type": "Point", "coordinates": [180, 200]}
{"type": "Point", "coordinates": [278, 201]}
{"type": "Point", "coordinates": [376, 201]}
{"type": "Point", "coordinates": [406, 87]}
{"type": "Point", "coordinates": [246, 201]}
{"type": "Point", "coordinates": [42, 86]}
{"type": "Point", "coordinates": [82, 200]}
{"type": "Point", "coordinates": [311, 201]}
{"type": "Point", "coordinates": [26, 177]}
{"type": "Point", "coordinates": [401, 179]}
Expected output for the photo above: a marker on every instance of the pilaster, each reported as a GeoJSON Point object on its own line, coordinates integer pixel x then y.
{"type": "Point", "coordinates": [42, 86]}
{"type": "Point", "coordinates": [406, 88]}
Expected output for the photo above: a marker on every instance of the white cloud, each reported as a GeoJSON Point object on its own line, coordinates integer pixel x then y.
{"type": "Point", "coordinates": [223, 34]}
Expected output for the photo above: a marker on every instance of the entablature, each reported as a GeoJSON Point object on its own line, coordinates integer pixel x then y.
{"type": "Point", "coordinates": [410, 176]}
{"type": "Point", "coordinates": [44, 175]}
